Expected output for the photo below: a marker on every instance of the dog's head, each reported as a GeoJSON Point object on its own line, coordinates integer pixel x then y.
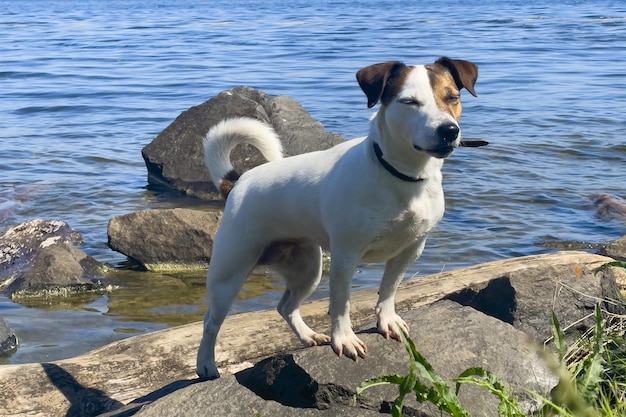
{"type": "Point", "coordinates": [421, 104]}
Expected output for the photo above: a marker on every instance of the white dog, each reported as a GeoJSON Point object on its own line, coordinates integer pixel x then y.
{"type": "Point", "coordinates": [366, 200]}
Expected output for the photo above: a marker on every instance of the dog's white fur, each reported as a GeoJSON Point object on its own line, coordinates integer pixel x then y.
{"type": "Point", "coordinates": [283, 213]}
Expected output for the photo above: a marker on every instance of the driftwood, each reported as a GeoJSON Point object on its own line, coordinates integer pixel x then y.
{"type": "Point", "coordinates": [127, 370]}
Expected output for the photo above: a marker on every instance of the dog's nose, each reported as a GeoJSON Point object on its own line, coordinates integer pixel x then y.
{"type": "Point", "coordinates": [448, 132]}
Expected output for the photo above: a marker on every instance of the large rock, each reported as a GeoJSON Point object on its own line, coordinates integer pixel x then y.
{"type": "Point", "coordinates": [452, 337]}
{"type": "Point", "coordinates": [167, 239]}
{"type": "Point", "coordinates": [40, 257]}
{"type": "Point", "coordinates": [175, 157]}
{"type": "Point", "coordinates": [8, 339]}
{"type": "Point", "coordinates": [141, 369]}
{"type": "Point", "coordinates": [526, 299]}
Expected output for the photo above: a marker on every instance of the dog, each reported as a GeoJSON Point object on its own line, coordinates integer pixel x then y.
{"type": "Point", "coordinates": [367, 200]}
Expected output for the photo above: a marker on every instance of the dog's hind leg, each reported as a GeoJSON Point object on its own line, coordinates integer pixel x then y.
{"type": "Point", "coordinates": [301, 268]}
{"type": "Point", "coordinates": [389, 323]}
{"type": "Point", "coordinates": [225, 278]}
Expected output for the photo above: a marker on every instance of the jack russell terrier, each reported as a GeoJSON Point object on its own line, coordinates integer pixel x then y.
{"type": "Point", "coordinates": [366, 200]}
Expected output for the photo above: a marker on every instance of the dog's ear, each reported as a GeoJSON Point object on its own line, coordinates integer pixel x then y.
{"type": "Point", "coordinates": [464, 73]}
{"type": "Point", "coordinates": [373, 80]}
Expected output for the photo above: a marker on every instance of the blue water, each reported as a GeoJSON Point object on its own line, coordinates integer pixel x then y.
{"type": "Point", "coordinates": [85, 85]}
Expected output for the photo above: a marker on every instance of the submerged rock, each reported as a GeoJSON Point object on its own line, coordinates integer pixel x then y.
{"type": "Point", "coordinates": [8, 339]}
{"type": "Point", "coordinates": [609, 205]}
{"type": "Point", "coordinates": [175, 158]}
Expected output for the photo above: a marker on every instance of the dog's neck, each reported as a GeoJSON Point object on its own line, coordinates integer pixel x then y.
{"type": "Point", "coordinates": [390, 169]}
{"type": "Point", "coordinates": [404, 164]}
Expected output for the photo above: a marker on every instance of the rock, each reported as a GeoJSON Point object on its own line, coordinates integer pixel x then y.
{"type": "Point", "coordinates": [453, 338]}
{"type": "Point", "coordinates": [20, 244]}
{"type": "Point", "coordinates": [165, 239]}
{"type": "Point", "coordinates": [59, 269]}
{"type": "Point", "coordinates": [39, 256]}
{"type": "Point", "coordinates": [141, 369]}
{"type": "Point", "coordinates": [8, 339]}
{"type": "Point", "coordinates": [175, 157]}
{"type": "Point", "coordinates": [609, 205]}
{"type": "Point", "coordinates": [526, 299]}
{"type": "Point", "coordinates": [616, 249]}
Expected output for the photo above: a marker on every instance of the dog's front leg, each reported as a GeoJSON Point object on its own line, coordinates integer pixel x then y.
{"type": "Point", "coordinates": [343, 339]}
{"type": "Point", "coordinates": [389, 323]}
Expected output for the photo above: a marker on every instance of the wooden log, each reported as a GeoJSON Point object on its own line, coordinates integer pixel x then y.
{"type": "Point", "coordinates": [116, 374]}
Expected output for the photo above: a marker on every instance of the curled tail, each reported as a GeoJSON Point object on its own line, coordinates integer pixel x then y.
{"type": "Point", "coordinates": [222, 138]}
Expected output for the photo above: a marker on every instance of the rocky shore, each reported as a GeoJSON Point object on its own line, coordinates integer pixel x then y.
{"type": "Point", "coordinates": [494, 315]}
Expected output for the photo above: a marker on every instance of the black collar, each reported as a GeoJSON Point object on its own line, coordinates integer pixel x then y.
{"type": "Point", "coordinates": [391, 169]}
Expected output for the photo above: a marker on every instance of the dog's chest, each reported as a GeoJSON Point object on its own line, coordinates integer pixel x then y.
{"type": "Point", "coordinates": [401, 231]}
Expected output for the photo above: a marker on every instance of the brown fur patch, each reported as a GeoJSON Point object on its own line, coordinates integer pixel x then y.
{"type": "Point", "coordinates": [395, 83]}
{"type": "Point", "coordinates": [228, 182]}
{"type": "Point", "coordinates": [447, 95]}
{"type": "Point", "coordinates": [382, 81]}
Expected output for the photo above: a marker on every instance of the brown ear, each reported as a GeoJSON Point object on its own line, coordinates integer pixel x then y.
{"type": "Point", "coordinates": [464, 73]}
{"type": "Point", "coordinates": [373, 79]}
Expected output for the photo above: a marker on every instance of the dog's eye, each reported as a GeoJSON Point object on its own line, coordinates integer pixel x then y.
{"type": "Point", "coordinates": [453, 99]}
{"type": "Point", "coordinates": [410, 102]}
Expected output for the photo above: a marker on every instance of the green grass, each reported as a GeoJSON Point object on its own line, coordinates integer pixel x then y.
{"type": "Point", "coordinates": [591, 375]}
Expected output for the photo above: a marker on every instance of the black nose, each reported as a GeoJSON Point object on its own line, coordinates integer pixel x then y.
{"type": "Point", "coordinates": [448, 132]}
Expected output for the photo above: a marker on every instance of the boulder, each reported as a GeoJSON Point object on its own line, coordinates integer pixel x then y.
{"type": "Point", "coordinates": [452, 337]}
{"type": "Point", "coordinates": [526, 299]}
{"type": "Point", "coordinates": [616, 249]}
{"type": "Point", "coordinates": [166, 239]}
{"type": "Point", "coordinates": [131, 373]}
{"type": "Point", "coordinates": [8, 339]}
{"type": "Point", "coordinates": [40, 257]}
{"type": "Point", "coordinates": [175, 157]}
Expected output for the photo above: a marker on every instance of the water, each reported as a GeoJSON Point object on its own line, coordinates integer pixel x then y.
{"type": "Point", "coordinates": [84, 86]}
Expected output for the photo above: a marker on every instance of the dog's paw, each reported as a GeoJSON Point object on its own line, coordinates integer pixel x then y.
{"type": "Point", "coordinates": [390, 327]}
{"type": "Point", "coordinates": [317, 339]}
{"type": "Point", "coordinates": [207, 372]}
{"type": "Point", "coordinates": [350, 346]}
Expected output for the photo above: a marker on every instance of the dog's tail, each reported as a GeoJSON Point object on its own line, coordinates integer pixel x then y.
{"type": "Point", "coordinates": [222, 138]}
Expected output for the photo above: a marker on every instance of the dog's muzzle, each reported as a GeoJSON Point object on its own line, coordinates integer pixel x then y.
{"type": "Point", "coordinates": [447, 133]}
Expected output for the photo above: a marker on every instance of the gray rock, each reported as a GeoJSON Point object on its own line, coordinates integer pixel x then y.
{"type": "Point", "coordinates": [175, 157]}
{"type": "Point", "coordinates": [39, 256]}
{"type": "Point", "coordinates": [20, 244]}
{"type": "Point", "coordinates": [148, 367]}
{"type": "Point", "coordinates": [165, 239]}
{"type": "Point", "coordinates": [527, 298]}
{"type": "Point", "coordinates": [8, 339]}
{"type": "Point", "coordinates": [616, 249]}
{"type": "Point", "coordinates": [315, 382]}
{"type": "Point", "coordinates": [59, 269]}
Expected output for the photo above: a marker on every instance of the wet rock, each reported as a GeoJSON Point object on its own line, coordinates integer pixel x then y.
{"type": "Point", "coordinates": [616, 249]}
{"type": "Point", "coordinates": [609, 205]}
{"type": "Point", "coordinates": [39, 255]}
{"type": "Point", "coordinates": [175, 157]}
{"type": "Point", "coordinates": [20, 244]}
{"type": "Point", "coordinates": [58, 270]}
{"type": "Point", "coordinates": [8, 339]}
{"type": "Point", "coordinates": [167, 239]}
